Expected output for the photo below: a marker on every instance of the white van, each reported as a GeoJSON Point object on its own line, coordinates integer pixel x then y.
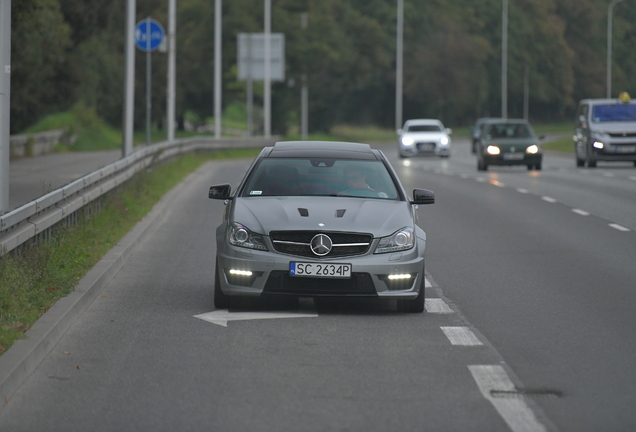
{"type": "Point", "coordinates": [605, 130]}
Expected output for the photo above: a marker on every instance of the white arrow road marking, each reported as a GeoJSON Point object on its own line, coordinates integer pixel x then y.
{"type": "Point", "coordinates": [514, 411]}
{"type": "Point", "coordinates": [221, 317]}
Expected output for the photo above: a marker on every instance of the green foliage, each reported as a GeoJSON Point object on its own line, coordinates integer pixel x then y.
{"type": "Point", "coordinates": [72, 50]}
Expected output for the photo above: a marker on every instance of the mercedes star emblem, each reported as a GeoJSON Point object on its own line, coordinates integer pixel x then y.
{"type": "Point", "coordinates": [321, 244]}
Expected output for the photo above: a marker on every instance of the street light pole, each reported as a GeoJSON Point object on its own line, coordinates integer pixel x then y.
{"type": "Point", "coordinates": [267, 81]}
{"type": "Point", "coordinates": [129, 87]}
{"type": "Point", "coordinates": [172, 29]}
{"type": "Point", "coordinates": [504, 60]}
{"type": "Point", "coordinates": [217, 69]}
{"type": "Point", "coordinates": [399, 65]}
{"type": "Point", "coordinates": [5, 106]}
{"type": "Point", "coordinates": [609, 46]}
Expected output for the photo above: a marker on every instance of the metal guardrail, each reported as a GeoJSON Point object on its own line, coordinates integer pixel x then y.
{"type": "Point", "coordinates": [35, 217]}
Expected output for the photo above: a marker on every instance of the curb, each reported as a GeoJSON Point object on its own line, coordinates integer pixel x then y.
{"type": "Point", "coordinates": [26, 354]}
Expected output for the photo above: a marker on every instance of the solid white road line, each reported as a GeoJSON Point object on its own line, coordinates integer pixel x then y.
{"type": "Point", "coordinates": [437, 305]}
{"type": "Point", "coordinates": [581, 212]}
{"type": "Point", "coordinates": [461, 336]}
{"type": "Point", "coordinates": [618, 227]}
{"type": "Point", "coordinates": [515, 412]}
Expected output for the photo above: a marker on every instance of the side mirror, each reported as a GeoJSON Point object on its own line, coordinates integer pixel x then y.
{"type": "Point", "coordinates": [423, 196]}
{"type": "Point", "coordinates": [541, 137]}
{"type": "Point", "coordinates": [449, 131]}
{"type": "Point", "coordinates": [398, 131]}
{"type": "Point", "coordinates": [220, 192]}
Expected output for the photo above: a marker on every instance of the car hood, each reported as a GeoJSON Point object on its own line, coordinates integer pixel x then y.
{"type": "Point", "coordinates": [378, 217]}
{"type": "Point", "coordinates": [613, 127]}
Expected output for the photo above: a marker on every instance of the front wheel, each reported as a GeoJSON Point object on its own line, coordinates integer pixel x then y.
{"type": "Point", "coordinates": [417, 304]}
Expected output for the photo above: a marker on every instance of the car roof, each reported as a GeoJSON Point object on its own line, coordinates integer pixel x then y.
{"type": "Point", "coordinates": [614, 101]}
{"type": "Point", "coordinates": [328, 149]}
{"type": "Point", "coordinates": [423, 121]}
{"type": "Point", "coordinates": [507, 121]}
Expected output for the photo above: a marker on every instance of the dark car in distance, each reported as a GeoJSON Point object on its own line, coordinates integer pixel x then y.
{"type": "Point", "coordinates": [508, 142]}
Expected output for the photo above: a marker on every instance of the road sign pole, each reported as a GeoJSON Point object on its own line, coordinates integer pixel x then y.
{"type": "Point", "coordinates": [148, 82]}
{"type": "Point", "coordinates": [5, 107]}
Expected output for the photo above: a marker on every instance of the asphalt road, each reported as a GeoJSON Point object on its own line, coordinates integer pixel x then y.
{"type": "Point", "coordinates": [529, 322]}
{"type": "Point", "coordinates": [30, 178]}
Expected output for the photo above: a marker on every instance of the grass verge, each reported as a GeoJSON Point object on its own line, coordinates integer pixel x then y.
{"type": "Point", "coordinates": [33, 278]}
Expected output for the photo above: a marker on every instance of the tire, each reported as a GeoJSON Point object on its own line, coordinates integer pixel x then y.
{"type": "Point", "coordinates": [220, 299]}
{"type": "Point", "coordinates": [580, 162]}
{"type": "Point", "coordinates": [417, 304]}
{"type": "Point", "coordinates": [591, 163]}
{"type": "Point", "coordinates": [481, 165]}
{"type": "Point", "coordinates": [537, 166]}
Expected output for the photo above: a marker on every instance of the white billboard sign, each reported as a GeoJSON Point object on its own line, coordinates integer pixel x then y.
{"type": "Point", "coordinates": [251, 56]}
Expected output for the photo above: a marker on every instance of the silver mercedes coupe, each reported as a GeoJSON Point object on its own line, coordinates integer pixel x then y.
{"type": "Point", "coordinates": [313, 219]}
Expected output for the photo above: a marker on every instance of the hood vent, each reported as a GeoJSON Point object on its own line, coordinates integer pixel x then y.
{"type": "Point", "coordinates": [340, 213]}
{"type": "Point", "coordinates": [303, 212]}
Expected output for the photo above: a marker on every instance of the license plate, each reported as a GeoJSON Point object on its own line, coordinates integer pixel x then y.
{"type": "Point", "coordinates": [326, 270]}
{"type": "Point", "coordinates": [426, 146]}
{"type": "Point", "coordinates": [513, 156]}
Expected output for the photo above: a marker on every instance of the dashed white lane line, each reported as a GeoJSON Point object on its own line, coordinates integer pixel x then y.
{"type": "Point", "coordinates": [632, 177]}
{"type": "Point", "coordinates": [522, 190]}
{"type": "Point", "coordinates": [580, 212]}
{"type": "Point", "coordinates": [461, 336]}
{"type": "Point", "coordinates": [548, 199]}
{"type": "Point", "coordinates": [515, 412]}
{"type": "Point", "coordinates": [619, 227]}
{"type": "Point", "coordinates": [437, 305]}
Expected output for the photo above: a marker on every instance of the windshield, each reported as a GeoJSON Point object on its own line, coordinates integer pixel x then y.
{"type": "Point", "coordinates": [424, 128]}
{"type": "Point", "coordinates": [613, 113]}
{"type": "Point", "coordinates": [509, 130]}
{"type": "Point", "coordinates": [316, 177]}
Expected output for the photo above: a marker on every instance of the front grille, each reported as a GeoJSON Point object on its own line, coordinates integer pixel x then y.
{"type": "Point", "coordinates": [280, 282]}
{"type": "Point", "coordinates": [298, 243]}
{"type": "Point", "coordinates": [623, 135]}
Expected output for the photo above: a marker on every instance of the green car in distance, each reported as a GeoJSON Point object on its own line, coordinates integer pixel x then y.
{"type": "Point", "coordinates": [508, 142]}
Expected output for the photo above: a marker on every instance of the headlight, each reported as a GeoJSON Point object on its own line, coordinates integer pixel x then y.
{"type": "Point", "coordinates": [598, 145]}
{"type": "Point", "coordinates": [240, 235]}
{"type": "Point", "coordinates": [444, 141]}
{"type": "Point", "coordinates": [493, 150]}
{"type": "Point", "coordinates": [402, 239]}
{"type": "Point", "coordinates": [407, 141]}
{"type": "Point", "coordinates": [533, 149]}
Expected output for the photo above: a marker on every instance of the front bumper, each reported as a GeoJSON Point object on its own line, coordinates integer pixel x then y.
{"type": "Point", "coordinates": [528, 159]}
{"type": "Point", "coordinates": [270, 274]}
{"type": "Point", "coordinates": [425, 148]}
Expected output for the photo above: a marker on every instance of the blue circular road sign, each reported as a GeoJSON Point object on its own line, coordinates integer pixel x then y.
{"type": "Point", "coordinates": [148, 27]}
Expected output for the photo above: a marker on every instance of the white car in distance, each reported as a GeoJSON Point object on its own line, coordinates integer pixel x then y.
{"type": "Point", "coordinates": [424, 136]}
